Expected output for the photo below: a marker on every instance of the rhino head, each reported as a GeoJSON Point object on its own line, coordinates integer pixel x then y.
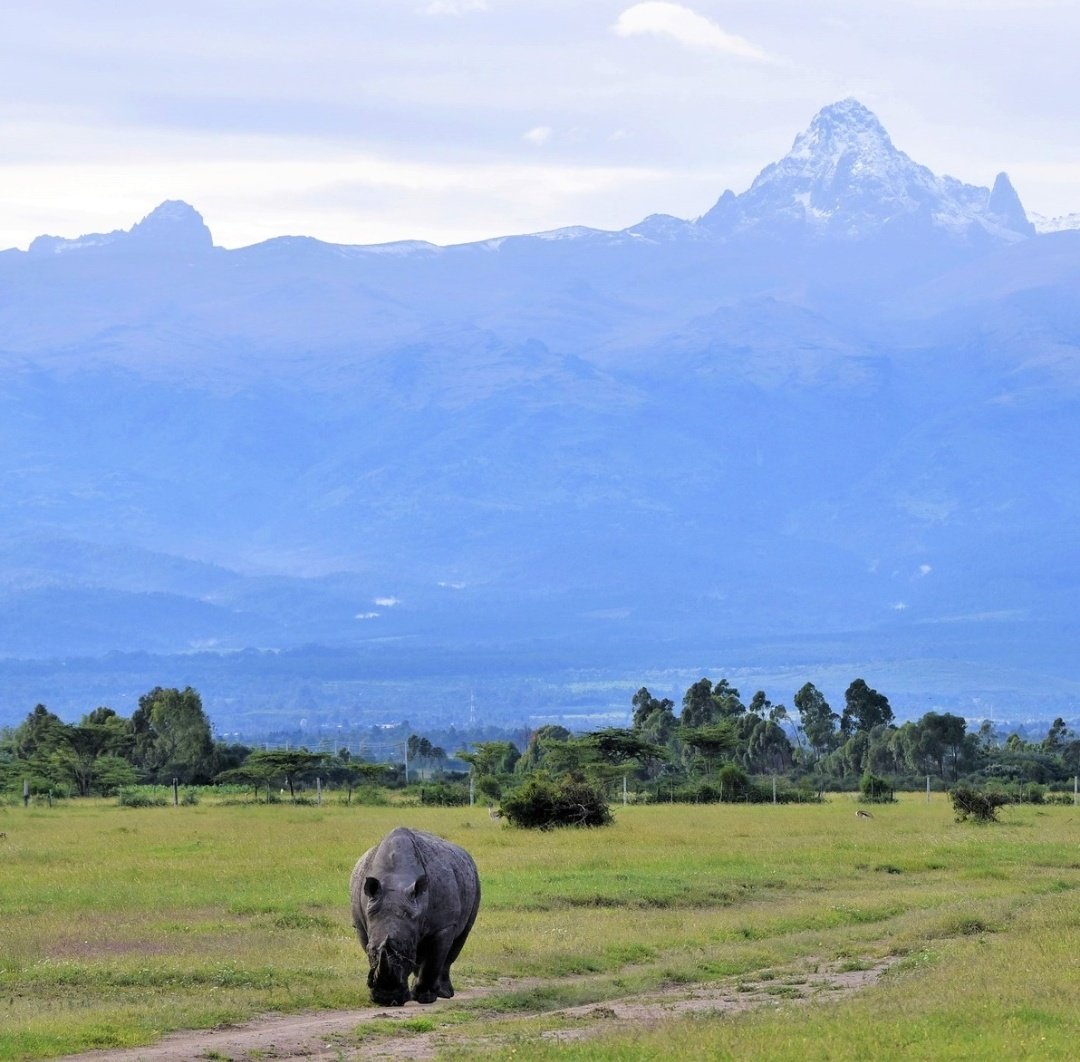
{"type": "Point", "coordinates": [394, 930]}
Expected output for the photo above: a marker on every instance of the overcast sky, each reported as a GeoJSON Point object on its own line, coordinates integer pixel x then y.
{"type": "Point", "coordinates": [360, 121]}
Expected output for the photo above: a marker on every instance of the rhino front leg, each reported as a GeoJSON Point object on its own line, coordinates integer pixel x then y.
{"type": "Point", "coordinates": [431, 960]}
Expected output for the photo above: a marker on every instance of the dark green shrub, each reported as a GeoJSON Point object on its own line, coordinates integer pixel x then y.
{"type": "Point", "coordinates": [980, 806]}
{"type": "Point", "coordinates": [143, 796]}
{"type": "Point", "coordinates": [543, 803]}
{"type": "Point", "coordinates": [875, 790]}
{"type": "Point", "coordinates": [734, 784]}
{"type": "Point", "coordinates": [442, 795]}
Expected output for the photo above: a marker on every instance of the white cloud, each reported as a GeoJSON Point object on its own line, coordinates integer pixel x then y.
{"type": "Point", "coordinates": [452, 586]}
{"type": "Point", "coordinates": [925, 569]}
{"type": "Point", "coordinates": [387, 602]}
{"type": "Point", "coordinates": [900, 606]}
{"type": "Point", "coordinates": [454, 7]}
{"type": "Point", "coordinates": [539, 134]}
{"type": "Point", "coordinates": [688, 28]}
{"type": "Point", "coordinates": [366, 615]}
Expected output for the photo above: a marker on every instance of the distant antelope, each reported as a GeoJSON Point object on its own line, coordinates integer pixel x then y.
{"type": "Point", "coordinates": [863, 815]}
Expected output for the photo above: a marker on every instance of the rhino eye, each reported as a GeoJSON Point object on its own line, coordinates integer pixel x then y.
{"type": "Point", "coordinates": [371, 887]}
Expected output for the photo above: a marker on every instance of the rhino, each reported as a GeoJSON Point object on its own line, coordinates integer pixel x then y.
{"type": "Point", "coordinates": [414, 900]}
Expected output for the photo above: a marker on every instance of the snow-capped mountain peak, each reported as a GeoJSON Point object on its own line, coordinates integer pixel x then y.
{"type": "Point", "coordinates": [841, 131]}
{"type": "Point", "coordinates": [844, 177]}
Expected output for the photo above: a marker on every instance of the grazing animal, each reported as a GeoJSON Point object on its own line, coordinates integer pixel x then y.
{"type": "Point", "coordinates": [414, 900]}
{"type": "Point", "coordinates": [863, 815]}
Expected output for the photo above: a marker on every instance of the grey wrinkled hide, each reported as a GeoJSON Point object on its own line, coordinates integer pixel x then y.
{"type": "Point", "coordinates": [414, 900]}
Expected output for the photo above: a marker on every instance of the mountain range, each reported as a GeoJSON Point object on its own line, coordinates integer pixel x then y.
{"type": "Point", "coordinates": [830, 426]}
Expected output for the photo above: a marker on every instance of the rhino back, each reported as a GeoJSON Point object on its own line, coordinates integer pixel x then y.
{"type": "Point", "coordinates": [453, 881]}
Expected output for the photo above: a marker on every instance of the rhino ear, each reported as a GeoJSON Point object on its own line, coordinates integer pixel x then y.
{"type": "Point", "coordinates": [420, 886]}
{"type": "Point", "coordinates": [371, 887]}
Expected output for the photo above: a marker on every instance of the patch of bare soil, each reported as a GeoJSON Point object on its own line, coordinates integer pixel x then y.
{"type": "Point", "coordinates": [330, 1036]}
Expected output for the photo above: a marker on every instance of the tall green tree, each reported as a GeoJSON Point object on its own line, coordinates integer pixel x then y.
{"type": "Point", "coordinates": [864, 708]}
{"type": "Point", "coordinates": [698, 706]}
{"type": "Point", "coordinates": [818, 720]}
{"type": "Point", "coordinates": [172, 737]}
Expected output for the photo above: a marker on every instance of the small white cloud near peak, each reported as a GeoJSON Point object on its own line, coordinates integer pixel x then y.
{"type": "Point", "coordinates": [900, 606]}
{"type": "Point", "coordinates": [366, 615]}
{"type": "Point", "coordinates": [387, 602]}
{"type": "Point", "coordinates": [454, 7]}
{"type": "Point", "coordinates": [925, 569]}
{"type": "Point", "coordinates": [658, 18]}
{"type": "Point", "coordinates": [539, 134]}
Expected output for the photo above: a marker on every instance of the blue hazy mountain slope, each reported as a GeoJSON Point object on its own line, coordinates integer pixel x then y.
{"type": "Point", "coordinates": [842, 404]}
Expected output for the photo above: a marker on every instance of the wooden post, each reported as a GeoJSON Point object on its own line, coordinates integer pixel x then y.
{"type": "Point", "coordinates": [50, 798]}
{"type": "Point", "coordinates": [472, 789]}
{"type": "Point", "coordinates": [928, 789]}
{"type": "Point", "coordinates": [175, 793]}
{"type": "Point", "coordinates": [26, 793]}
{"type": "Point", "coordinates": [318, 790]}
{"type": "Point", "coordinates": [774, 788]}
{"type": "Point", "coordinates": [624, 790]}
{"type": "Point", "coordinates": [1076, 792]}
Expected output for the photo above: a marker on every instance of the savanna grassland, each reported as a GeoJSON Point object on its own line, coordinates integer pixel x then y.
{"type": "Point", "coordinates": [118, 925]}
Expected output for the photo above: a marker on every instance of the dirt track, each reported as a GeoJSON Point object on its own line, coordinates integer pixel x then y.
{"type": "Point", "coordinates": [330, 1036]}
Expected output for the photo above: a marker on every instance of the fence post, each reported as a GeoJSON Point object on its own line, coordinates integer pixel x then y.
{"type": "Point", "coordinates": [928, 789]}
{"type": "Point", "coordinates": [624, 790]}
{"type": "Point", "coordinates": [774, 788]}
{"type": "Point", "coordinates": [26, 792]}
{"type": "Point", "coordinates": [175, 793]}
{"type": "Point", "coordinates": [472, 789]}
{"type": "Point", "coordinates": [318, 790]}
{"type": "Point", "coordinates": [1076, 792]}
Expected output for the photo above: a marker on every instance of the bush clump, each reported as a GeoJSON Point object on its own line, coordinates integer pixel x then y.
{"type": "Point", "coordinates": [444, 795]}
{"type": "Point", "coordinates": [875, 790]}
{"type": "Point", "coordinates": [542, 804]}
{"type": "Point", "coordinates": [976, 804]}
{"type": "Point", "coordinates": [153, 796]}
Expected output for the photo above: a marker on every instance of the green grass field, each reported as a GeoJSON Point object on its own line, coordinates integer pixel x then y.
{"type": "Point", "coordinates": [117, 925]}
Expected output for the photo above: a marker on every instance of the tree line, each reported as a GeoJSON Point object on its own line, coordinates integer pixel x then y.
{"type": "Point", "coordinates": [167, 737]}
{"type": "Point", "coordinates": [714, 747]}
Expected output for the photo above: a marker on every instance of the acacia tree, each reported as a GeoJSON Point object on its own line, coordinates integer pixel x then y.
{"type": "Point", "coordinates": [711, 743]}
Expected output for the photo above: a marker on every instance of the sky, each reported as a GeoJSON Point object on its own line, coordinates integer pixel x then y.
{"type": "Point", "coordinates": [365, 121]}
